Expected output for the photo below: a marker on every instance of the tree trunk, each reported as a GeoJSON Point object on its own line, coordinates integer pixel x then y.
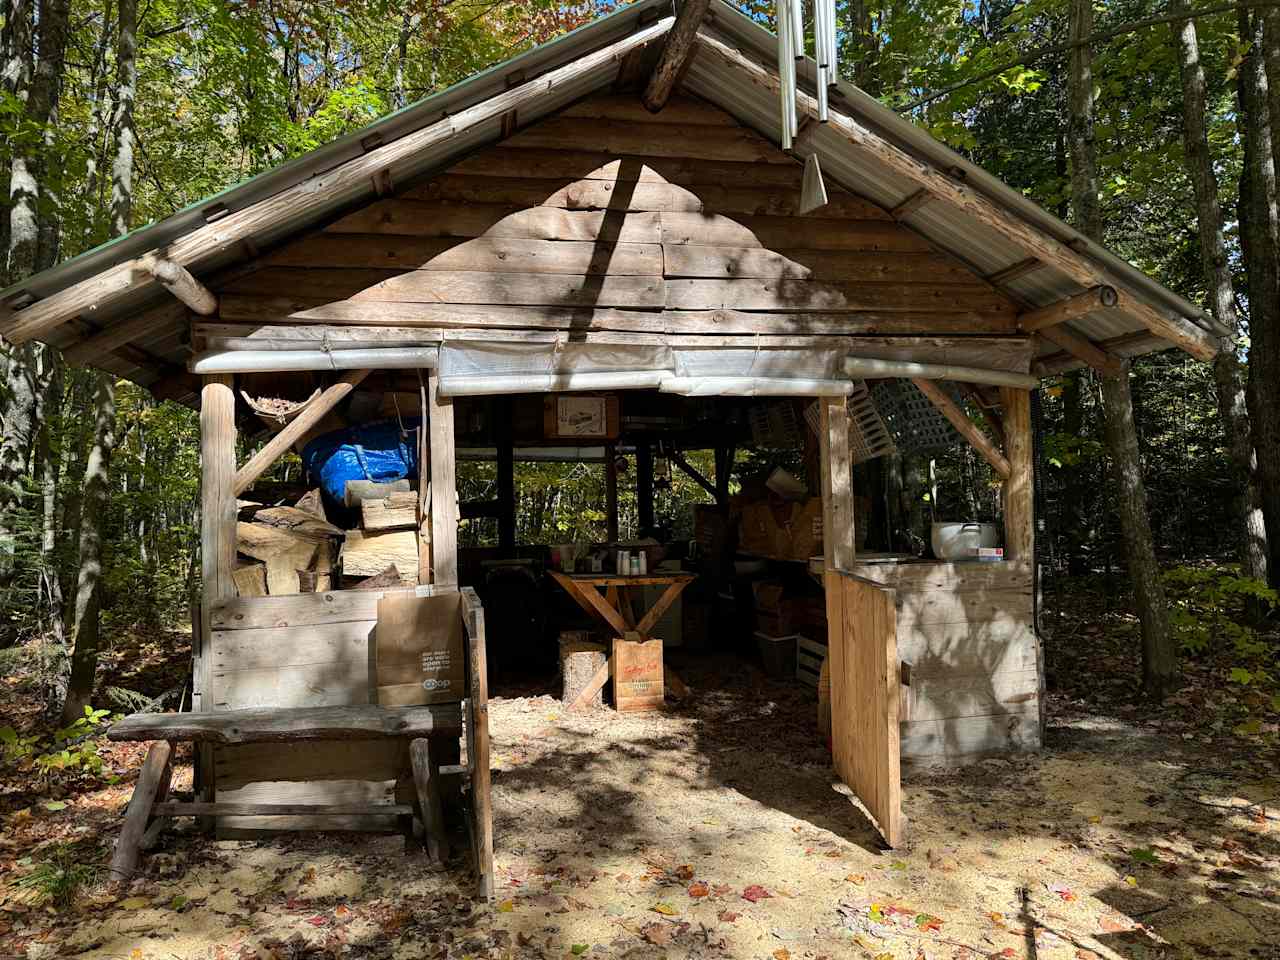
{"type": "Point", "coordinates": [97, 494]}
{"type": "Point", "coordinates": [1159, 657]}
{"type": "Point", "coordinates": [1228, 375]}
{"type": "Point", "coordinates": [1259, 79]}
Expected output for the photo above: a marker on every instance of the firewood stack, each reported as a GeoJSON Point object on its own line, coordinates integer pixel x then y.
{"type": "Point", "coordinates": [284, 550]}
{"type": "Point", "coordinates": [388, 535]}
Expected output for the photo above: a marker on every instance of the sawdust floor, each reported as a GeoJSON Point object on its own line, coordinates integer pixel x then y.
{"type": "Point", "coordinates": [714, 829]}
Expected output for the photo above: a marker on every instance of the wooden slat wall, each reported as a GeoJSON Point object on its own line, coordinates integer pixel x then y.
{"type": "Point", "coordinates": [294, 651]}
{"type": "Point", "coordinates": [602, 206]}
{"type": "Point", "coordinates": [966, 630]}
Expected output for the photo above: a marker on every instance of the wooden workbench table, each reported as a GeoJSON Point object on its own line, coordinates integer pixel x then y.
{"type": "Point", "coordinates": [615, 608]}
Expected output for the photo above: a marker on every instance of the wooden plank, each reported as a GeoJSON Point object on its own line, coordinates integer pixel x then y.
{"type": "Point", "coordinates": [158, 320]}
{"type": "Point", "coordinates": [974, 607]}
{"type": "Point", "coordinates": [494, 221]}
{"type": "Point", "coordinates": [312, 761]}
{"type": "Point", "coordinates": [229, 809]}
{"type": "Point", "coordinates": [250, 579]}
{"type": "Point", "coordinates": [273, 725]}
{"type": "Point", "coordinates": [517, 288]}
{"type": "Point", "coordinates": [355, 794]}
{"type": "Point", "coordinates": [478, 743]}
{"type": "Point", "coordinates": [633, 194]}
{"type": "Point", "coordinates": [677, 47]}
{"type": "Point", "coordinates": [696, 260]}
{"type": "Point", "coordinates": [865, 692]}
{"type": "Point", "coordinates": [338, 606]}
{"type": "Point", "coordinates": [298, 427]}
{"type": "Point", "coordinates": [957, 577]}
{"type": "Point", "coordinates": [964, 426]}
{"type": "Point", "coordinates": [334, 684]}
{"type": "Point", "coordinates": [1084, 349]}
{"type": "Point", "coordinates": [388, 322]}
{"type": "Point", "coordinates": [587, 163]}
{"type": "Point", "coordinates": [486, 254]}
{"type": "Point", "coordinates": [694, 141]}
{"type": "Point", "coordinates": [1006, 275]}
{"type": "Point", "coordinates": [803, 295]}
{"type": "Point", "coordinates": [269, 648]}
{"type": "Point", "coordinates": [969, 737]}
{"type": "Point", "coordinates": [444, 486]}
{"type": "Point", "coordinates": [838, 535]}
{"type": "Point", "coordinates": [679, 109]}
{"type": "Point", "coordinates": [654, 614]}
{"type": "Point", "coordinates": [1019, 490]}
{"type": "Point", "coordinates": [778, 232]}
{"type": "Point", "coordinates": [962, 648]}
{"type": "Point", "coordinates": [951, 697]}
{"type": "Point", "coordinates": [397, 512]}
{"type": "Point", "coordinates": [313, 196]}
{"type": "Point", "coordinates": [965, 199]}
{"type": "Point", "coordinates": [1072, 308]}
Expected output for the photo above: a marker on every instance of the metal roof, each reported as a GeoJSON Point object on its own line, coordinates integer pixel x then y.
{"type": "Point", "coordinates": [161, 352]}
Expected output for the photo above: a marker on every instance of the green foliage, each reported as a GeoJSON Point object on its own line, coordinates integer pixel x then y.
{"type": "Point", "coordinates": [69, 751]}
{"type": "Point", "coordinates": [58, 878]}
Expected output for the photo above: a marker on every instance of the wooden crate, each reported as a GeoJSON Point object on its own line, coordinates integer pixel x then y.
{"type": "Point", "coordinates": [636, 671]}
{"type": "Point", "coordinates": [809, 657]}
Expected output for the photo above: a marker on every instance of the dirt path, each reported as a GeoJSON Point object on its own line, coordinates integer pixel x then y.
{"type": "Point", "coordinates": [715, 831]}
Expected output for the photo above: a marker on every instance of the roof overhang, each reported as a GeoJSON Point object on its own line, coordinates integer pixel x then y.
{"type": "Point", "coordinates": [103, 308]}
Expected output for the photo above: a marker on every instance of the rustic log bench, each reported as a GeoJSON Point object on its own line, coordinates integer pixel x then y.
{"type": "Point", "coordinates": [150, 807]}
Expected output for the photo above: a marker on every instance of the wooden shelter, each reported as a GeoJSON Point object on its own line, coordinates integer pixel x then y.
{"type": "Point", "coordinates": [608, 213]}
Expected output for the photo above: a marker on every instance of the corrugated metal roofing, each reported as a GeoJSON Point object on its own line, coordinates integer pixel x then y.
{"type": "Point", "coordinates": [162, 352]}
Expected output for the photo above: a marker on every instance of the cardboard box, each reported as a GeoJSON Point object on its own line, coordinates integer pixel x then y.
{"type": "Point", "coordinates": [783, 530]}
{"type": "Point", "coordinates": [419, 649]}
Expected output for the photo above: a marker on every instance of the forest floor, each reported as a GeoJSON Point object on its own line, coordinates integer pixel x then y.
{"type": "Point", "coordinates": [715, 829]}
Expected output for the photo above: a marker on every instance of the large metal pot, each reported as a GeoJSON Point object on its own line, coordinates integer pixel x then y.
{"type": "Point", "coordinates": [959, 540]}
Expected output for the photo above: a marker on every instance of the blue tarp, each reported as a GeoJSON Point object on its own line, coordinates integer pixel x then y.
{"type": "Point", "coordinates": [383, 450]}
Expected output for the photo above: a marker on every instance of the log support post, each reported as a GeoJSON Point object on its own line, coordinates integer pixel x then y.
{"type": "Point", "coordinates": [644, 486]}
{"type": "Point", "coordinates": [444, 486]}
{"type": "Point", "coordinates": [675, 54]}
{"type": "Point", "coordinates": [506, 476]}
{"type": "Point", "coordinates": [837, 489]}
{"type": "Point", "coordinates": [426, 781]}
{"type": "Point", "coordinates": [1019, 502]}
{"type": "Point", "coordinates": [217, 537]}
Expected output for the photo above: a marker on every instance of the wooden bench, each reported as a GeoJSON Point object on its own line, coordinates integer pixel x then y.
{"type": "Point", "coordinates": [426, 732]}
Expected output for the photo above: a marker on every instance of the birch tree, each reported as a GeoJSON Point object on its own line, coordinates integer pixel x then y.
{"type": "Point", "coordinates": [1159, 659]}
{"type": "Point", "coordinates": [1229, 378]}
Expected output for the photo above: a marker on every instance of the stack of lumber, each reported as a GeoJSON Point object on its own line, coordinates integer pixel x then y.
{"type": "Point", "coordinates": [286, 550]}
{"type": "Point", "coordinates": [388, 538]}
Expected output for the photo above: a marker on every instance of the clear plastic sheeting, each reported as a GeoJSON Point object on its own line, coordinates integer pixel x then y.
{"type": "Point", "coordinates": [475, 369]}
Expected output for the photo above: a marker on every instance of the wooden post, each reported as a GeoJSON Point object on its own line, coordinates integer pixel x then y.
{"type": "Point", "coordinates": [644, 486]}
{"type": "Point", "coordinates": [611, 492]}
{"type": "Point", "coordinates": [444, 487]}
{"type": "Point", "coordinates": [724, 468]}
{"type": "Point", "coordinates": [125, 859]}
{"type": "Point", "coordinates": [424, 483]}
{"type": "Point", "coordinates": [1019, 499]}
{"type": "Point", "coordinates": [426, 781]}
{"type": "Point", "coordinates": [837, 486]}
{"type": "Point", "coordinates": [217, 533]}
{"type": "Point", "coordinates": [506, 474]}
{"type": "Point", "coordinates": [675, 53]}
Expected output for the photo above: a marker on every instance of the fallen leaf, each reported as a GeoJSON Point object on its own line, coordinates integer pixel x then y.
{"type": "Point", "coordinates": [1144, 855]}
{"type": "Point", "coordinates": [698, 889]}
{"type": "Point", "coordinates": [317, 920]}
{"type": "Point", "coordinates": [727, 916]}
{"type": "Point", "coordinates": [756, 893]}
{"type": "Point", "coordinates": [341, 910]}
{"type": "Point", "coordinates": [134, 903]}
{"type": "Point", "coordinates": [856, 878]}
{"type": "Point", "coordinates": [684, 872]}
{"type": "Point", "coordinates": [666, 909]}
{"type": "Point", "coordinates": [1110, 924]}
{"type": "Point", "coordinates": [898, 865]}
{"type": "Point", "coordinates": [782, 953]}
{"type": "Point", "coordinates": [506, 906]}
{"type": "Point", "coordinates": [928, 923]}
{"type": "Point", "coordinates": [578, 949]}
{"type": "Point", "coordinates": [135, 953]}
{"type": "Point", "coordinates": [55, 805]}
{"type": "Point", "coordinates": [884, 956]}
{"type": "Point", "coordinates": [656, 933]}
{"type": "Point", "coordinates": [1131, 880]}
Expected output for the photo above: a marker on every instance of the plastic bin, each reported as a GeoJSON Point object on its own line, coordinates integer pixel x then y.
{"type": "Point", "coordinates": [778, 655]}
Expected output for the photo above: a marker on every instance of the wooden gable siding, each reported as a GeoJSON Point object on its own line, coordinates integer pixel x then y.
{"type": "Point", "coordinates": [605, 206]}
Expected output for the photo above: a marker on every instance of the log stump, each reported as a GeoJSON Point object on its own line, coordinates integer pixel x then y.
{"type": "Point", "coordinates": [580, 660]}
